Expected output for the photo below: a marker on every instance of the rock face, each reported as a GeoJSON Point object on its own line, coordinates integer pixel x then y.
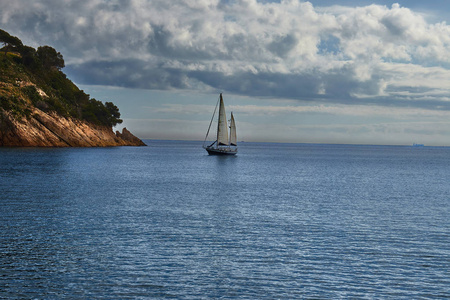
{"type": "Point", "coordinates": [126, 135]}
{"type": "Point", "coordinates": [43, 129]}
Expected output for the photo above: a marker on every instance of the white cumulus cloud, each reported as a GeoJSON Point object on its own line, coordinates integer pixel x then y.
{"type": "Point", "coordinates": [289, 49]}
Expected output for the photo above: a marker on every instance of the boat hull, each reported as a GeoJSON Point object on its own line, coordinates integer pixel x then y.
{"type": "Point", "coordinates": [225, 151]}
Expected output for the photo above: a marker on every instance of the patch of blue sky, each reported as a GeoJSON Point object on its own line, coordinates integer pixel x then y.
{"type": "Point", "coordinates": [329, 45]}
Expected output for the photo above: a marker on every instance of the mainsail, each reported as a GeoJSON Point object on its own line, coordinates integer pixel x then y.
{"type": "Point", "coordinates": [233, 139]}
{"type": "Point", "coordinates": [222, 128]}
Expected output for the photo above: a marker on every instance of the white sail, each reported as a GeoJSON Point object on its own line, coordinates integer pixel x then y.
{"type": "Point", "coordinates": [222, 128]}
{"type": "Point", "coordinates": [233, 138]}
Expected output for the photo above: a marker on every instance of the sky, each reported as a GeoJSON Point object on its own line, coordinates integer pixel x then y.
{"type": "Point", "coordinates": [346, 72]}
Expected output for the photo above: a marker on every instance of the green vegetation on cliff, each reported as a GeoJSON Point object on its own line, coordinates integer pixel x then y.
{"type": "Point", "coordinates": [33, 78]}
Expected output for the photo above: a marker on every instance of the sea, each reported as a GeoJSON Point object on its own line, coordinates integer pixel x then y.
{"type": "Point", "coordinates": [276, 221]}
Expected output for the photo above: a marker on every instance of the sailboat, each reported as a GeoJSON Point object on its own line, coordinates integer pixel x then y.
{"type": "Point", "coordinates": [224, 144]}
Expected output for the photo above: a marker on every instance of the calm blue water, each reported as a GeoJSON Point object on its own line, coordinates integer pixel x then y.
{"type": "Point", "coordinates": [278, 221]}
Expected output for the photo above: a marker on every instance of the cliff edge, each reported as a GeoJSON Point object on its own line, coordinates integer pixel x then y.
{"type": "Point", "coordinates": [41, 107]}
{"type": "Point", "coordinates": [52, 130]}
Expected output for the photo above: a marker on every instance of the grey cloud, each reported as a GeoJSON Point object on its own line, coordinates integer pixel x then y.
{"type": "Point", "coordinates": [282, 45]}
{"type": "Point", "coordinates": [127, 73]}
{"type": "Point", "coordinates": [337, 86]}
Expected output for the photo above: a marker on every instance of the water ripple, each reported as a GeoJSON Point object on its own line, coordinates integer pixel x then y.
{"type": "Point", "coordinates": [275, 222]}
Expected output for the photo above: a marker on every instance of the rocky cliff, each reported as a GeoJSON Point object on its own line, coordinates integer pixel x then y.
{"type": "Point", "coordinates": [43, 129]}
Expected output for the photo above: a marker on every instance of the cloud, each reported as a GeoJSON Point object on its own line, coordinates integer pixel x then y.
{"type": "Point", "coordinates": [365, 111]}
{"type": "Point", "coordinates": [289, 49]}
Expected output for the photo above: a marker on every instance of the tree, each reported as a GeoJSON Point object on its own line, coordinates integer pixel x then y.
{"type": "Point", "coordinates": [9, 41]}
{"type": "Point", "coordinates": [103, 114]}
{"type": "Point", "coordinates": [114, 114]}
{"type": "Point", "coordinates": [29, 58]}
{"type": "Point", "coordinates": [50, 58]}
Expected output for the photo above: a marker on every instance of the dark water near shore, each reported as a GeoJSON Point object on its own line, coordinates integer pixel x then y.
{"type": "Point", "coordinates": [278, 221]}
